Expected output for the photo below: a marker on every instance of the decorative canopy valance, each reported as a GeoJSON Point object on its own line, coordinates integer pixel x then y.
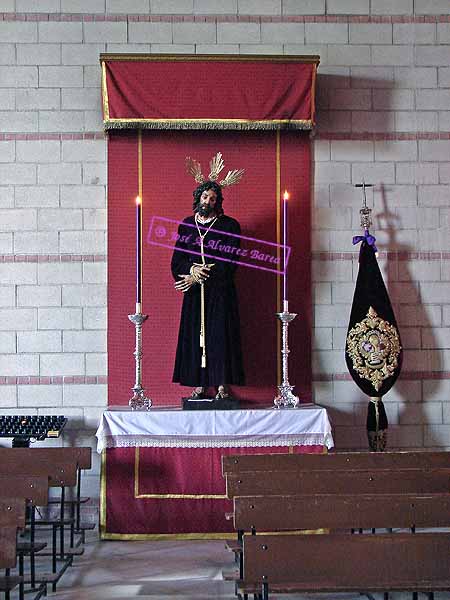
{"type": "Point", "coordinates": [208, 92]}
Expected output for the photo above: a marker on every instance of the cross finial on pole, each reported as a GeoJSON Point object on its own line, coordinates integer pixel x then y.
{"type": "Point", "coordinates": [365, 213]}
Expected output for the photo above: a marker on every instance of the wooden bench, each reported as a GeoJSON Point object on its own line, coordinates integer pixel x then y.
{"type": "Point", "coordinates": [8, 554]}
{"type": "Point", "coordinates": [81, 455]}
{"type": "Point", "coordinates": [12, 517]}
{"type": "Point", "coordinates": [341, 512]}
{"type": "Point", "coordinates": [12, 511]}
{"type": "Point", "coordinates": [61, 475]}
{"type": "Point", "coordinates": [236, 463]}
{"type": "Point", "coordinates": [353, 483]}
{"type": "Point", "coordinates": [336, 512]}
{"type": "Point", "coordinates": [341, 492]}
{"type": "Point", "coordinates": [30, 491]}
{"type": "Point", "coordinates": [345, 563]}
{"type": "Point", "coordinates": [338, 482]}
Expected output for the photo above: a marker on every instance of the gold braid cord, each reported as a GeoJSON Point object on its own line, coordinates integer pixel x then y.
{"type": "Point", "coordinates": [374, 347]}
{"type": "Point", "coordinates": [216, 165]}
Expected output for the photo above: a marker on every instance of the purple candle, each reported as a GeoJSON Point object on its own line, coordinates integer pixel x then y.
{"type": "Point", "coordinates": [285, 241]}
{"type": "Point", "coordinates": [138, 253]}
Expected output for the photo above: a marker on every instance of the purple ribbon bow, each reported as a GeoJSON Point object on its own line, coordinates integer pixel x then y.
{"type": "Point", "coordinates": [368, 238]}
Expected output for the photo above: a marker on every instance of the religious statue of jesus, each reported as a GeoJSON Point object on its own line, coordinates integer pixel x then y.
{"type": "Point", "coordinates": [203, 266]}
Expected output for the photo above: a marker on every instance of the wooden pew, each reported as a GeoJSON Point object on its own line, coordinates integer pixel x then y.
{"type": "Point", "coordinates": [338, 482]}
{"type": "Point", "coordinates": [352, 482]}
{"type": "Point", "coordinates": [346, 563]}
{"type": "Point", "coordinates": [8, 554]}
{"type": "Point", "coordinates": [81, 455]}
{"type": "Point", "coordinates": [255, 514]}
{"type": "Point", "coordinates": [12, 517]}
{"type": "Point", "coordinates": [59, 475]}
{"type": "Point", "coordinates": [12, 511]}
{"type": "Point", "coordinates": [32, 490]}
{"type": "Point", "coordinates": [340, 512]}
{"type": "Point", "coordinates": [337, 460]}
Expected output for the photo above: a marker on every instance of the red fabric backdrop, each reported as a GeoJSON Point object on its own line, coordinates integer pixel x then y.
{"type": "Point", "coordinates": [167, 192]}
{"type": "Point", "coordinates": [157, 89]}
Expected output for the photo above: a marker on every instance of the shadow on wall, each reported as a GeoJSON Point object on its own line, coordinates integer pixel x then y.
{"type": "Point", "coordinates": [352, 103]}
{"type": "Point", "coordinates": [412, 319]}
{"type": "Point", "coordinates": [344, 107]}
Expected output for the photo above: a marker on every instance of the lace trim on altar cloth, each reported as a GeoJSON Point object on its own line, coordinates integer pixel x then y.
{"type": "Point", "coordinates": [128, 441]}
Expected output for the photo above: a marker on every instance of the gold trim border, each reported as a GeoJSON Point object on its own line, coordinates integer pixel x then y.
{"type": "Point", "coordinates": [103, 495]}
{"type": "Point", "coordinates": [165, 536]}
{"type": "Point", "coordinates": [105, 94]}
{"type": "Point", "coordinates": [139, 496]}
{"type": "Point", "coordinates": [278, 58]}
{"type": "Point", "coordinates": [104, 535]}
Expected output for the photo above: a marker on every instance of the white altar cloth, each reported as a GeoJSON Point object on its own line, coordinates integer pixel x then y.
{"type": "Point", "coordinates": [169, 428]}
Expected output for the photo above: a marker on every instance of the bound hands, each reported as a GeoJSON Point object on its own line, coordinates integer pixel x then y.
{"type": "Point", "coordinates": [199, 273]}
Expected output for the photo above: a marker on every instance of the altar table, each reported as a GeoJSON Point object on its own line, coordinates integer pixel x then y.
{"type": "Point", "coordinates": [161, 469]}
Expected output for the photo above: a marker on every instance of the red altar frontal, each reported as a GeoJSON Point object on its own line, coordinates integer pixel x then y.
{"type": "Point", "coordinates": [161, 470]}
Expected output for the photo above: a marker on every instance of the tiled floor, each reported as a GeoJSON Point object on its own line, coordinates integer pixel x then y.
{"type": "Point", "coordinates": [161, 570]}
{"type": "Point", "coordinates": [164, 570]}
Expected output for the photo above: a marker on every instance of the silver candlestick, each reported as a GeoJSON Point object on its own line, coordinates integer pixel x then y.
{"type": "Point", "coordinates": [285, 398]}
{"type": "Point", "coordinates": [139, 400]}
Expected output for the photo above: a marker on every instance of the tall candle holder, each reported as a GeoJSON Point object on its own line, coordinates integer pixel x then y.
{"type": "Point", "coordinates": [139, 400]}
{"type": "Point", "coordinates": [285, 398]}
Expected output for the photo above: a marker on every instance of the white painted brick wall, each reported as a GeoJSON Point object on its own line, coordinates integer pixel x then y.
{"type": "Point", "coordinates": [39, 396]}
{"type": "Point", "coordinates": [12, 365]}
{"type": "Point", "coordinates": [96, 364]}
{"type": "Point", "coordinates": [60, 318]}
{"type": "Point", "coordinates": [84, 295]}
{"type": "Point", "coordinates": [84, 395]}
{"type": "Point", "coordinates": [41, 242]}
{"type": "Point", "coordinates": [38, 341]}
{"type": "Point", "coordinates": [66, 32]}
{"type": "Point", "coordinates": [84, 341]}
{"type": "Point", "coordinates": [19, 122]}
{"type": "Point", "coordinates": [306, 7]}
{"type": "Point", "coordinates": [38, 295]}
{"type": "Point", "coordinates": [376, 82]}
{"type": "Point", "coordinates": [62, 364]}
{"type": "Point", "coordinates": [37, 196]}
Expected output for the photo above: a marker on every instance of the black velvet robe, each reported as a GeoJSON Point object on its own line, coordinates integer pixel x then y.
{"type": "Point", "coordinates": [223, 344]}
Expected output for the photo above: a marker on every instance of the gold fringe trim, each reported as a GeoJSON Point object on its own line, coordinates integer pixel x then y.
{"type": "Point", "coordinates": [277, 58]}
{"type": "Point", "coordinates": [306, 125]}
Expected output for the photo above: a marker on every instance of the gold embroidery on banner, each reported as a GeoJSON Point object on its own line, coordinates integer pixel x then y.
{"type": "Point", "coordinates": [374, 347]}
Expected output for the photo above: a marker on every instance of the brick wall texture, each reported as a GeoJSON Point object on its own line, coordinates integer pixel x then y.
{"type": "Point", "coordinates": [383, 96]}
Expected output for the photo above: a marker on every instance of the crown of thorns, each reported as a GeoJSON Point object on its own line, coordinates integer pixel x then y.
{"type": "Point", "coordinates": [216, 165]}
